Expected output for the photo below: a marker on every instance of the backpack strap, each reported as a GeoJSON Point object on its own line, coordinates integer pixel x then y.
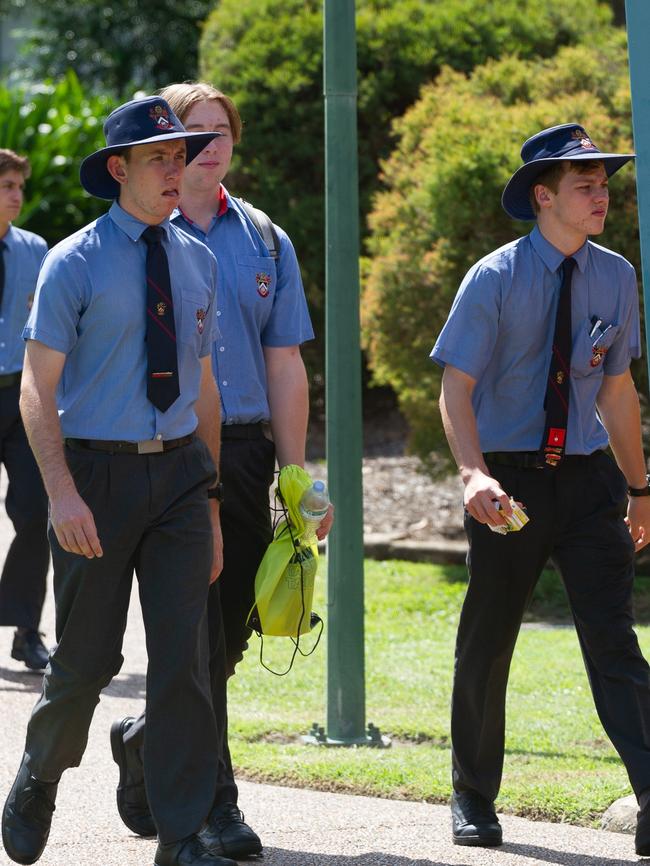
{"type": "Point", "coordinates": [264, 226]}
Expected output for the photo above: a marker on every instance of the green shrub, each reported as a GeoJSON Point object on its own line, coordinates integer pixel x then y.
{"type": "Point", "coordinates": [441, 209]}
{"type": "Point", "coordinates": [56, 126]}
{"type": "Point", "coordinates": [267, 54]}
{"type": "Point", "coordinates": [117, 46]}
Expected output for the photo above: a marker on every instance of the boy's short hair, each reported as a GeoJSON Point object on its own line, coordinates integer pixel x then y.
{"type": "Point", "coordinates": [552, 175]}
{"type": "Point", "coordinates": [10, 161]}
{"type": "Point", "coordinates": [183, 97]}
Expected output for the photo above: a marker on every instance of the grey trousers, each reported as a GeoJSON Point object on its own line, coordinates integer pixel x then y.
{"type": "Point", "coordinates": [576, 518]}
{"type": "Point", "coordinates": [247, 468]}
{"type": "Point", "coordinates": [24, 573]}
{"type": "Point", "coordinates": [152, 517]}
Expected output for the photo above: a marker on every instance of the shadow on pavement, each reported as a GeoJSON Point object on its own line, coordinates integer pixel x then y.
{"type": "Point", "coordinates": [564, 858]}
{"type": "Point", "coordinates": [20, 681]}
{"type": "Point", "coordinates": [127, 686]}
{"type": "Point", "coordinates": [277, 856]}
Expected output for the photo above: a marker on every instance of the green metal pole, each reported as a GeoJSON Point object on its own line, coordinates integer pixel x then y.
{"type": "Point", "coordinates": [345, 646]}
{"type": "Point", "coordinates": [638, 28]}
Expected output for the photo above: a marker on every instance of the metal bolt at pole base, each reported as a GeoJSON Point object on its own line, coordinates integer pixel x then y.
{"type": "Point", "coordinates": [373, 738]}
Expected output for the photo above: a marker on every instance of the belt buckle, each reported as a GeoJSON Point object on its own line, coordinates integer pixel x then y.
{"type": "Point", "coordinates": [151, 446]}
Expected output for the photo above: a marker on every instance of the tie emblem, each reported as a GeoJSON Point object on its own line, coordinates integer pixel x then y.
{"type": "Point", "coordinates": [558, 389]}
{"type": "Point", "coordinates": [162, 362]}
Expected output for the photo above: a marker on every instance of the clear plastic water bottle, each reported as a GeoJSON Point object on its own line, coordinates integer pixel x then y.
{"type": "Point", "coordinates": [314, 503]}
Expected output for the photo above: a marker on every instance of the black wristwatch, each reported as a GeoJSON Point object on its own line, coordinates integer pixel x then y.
{"type": "Point", "coordinates": [640, 491]}
{"type": "Point", "coordinates": [216, 492]}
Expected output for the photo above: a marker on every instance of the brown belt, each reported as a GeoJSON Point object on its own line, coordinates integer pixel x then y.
{"type": "Point", "coordinates": [531, 459]}
{"type": "Point", "coordinates": [147, 446]}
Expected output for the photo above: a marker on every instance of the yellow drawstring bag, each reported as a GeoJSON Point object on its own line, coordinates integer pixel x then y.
{"type": "Point", "coordinates": [284, 583]}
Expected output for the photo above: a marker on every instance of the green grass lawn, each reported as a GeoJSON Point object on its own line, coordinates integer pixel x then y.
{"type": "Point", "coordinates": [559, 764]}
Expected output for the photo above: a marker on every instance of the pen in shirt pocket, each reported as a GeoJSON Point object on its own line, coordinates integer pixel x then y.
{"type": "Point", "coordinates": [595, 324]}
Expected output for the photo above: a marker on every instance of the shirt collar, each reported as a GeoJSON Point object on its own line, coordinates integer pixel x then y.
{"type": "Point", "coordinates": [9, 236]}
{"type": "Point", "coordinates": [223, 203]}
{"type": "Point", "coordinates": [551, 256]}
{"type": "Point", "coordinates": [130, 225]}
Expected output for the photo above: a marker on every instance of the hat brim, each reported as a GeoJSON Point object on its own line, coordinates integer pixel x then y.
{"type": "Point", "coordinates": [96, 179]}
{"type": "Point", "coordinates": [515, 199]}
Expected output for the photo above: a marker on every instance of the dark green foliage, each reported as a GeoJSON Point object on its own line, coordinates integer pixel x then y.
{"type": "Point", "coordinates": [267, 54]}
{"type": "Point", "coordinates": [441, 209]}
{"type": "Point", "coordinates": [113, 45]}
{"type": "Point", "coordinates": [55, 126]}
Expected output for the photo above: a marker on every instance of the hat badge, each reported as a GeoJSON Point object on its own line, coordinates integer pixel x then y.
{"type": "Point", "coordinates": [160, 117]}
{"type": "Point", "coordinates": [581, 136]}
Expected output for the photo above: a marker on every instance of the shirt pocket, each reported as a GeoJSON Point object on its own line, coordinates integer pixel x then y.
{"type": "Point", "coordinates": [589, 350]}
{"type": "Point", "coordinates": [256, 281]}
{"type": "Point", "coordinates": [194, 314]}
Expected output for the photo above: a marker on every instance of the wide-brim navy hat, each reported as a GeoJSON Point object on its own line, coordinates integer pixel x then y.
{"type": "Point", "coordinates": [568, 141]}
{"type": "Point", "coordinates": [141, 121]}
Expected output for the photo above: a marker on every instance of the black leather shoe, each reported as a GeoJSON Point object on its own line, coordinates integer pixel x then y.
{"type": "Point", "coordinates": [29, 648]}
{"type": "Point", "coordinates": [226, 833]}
{"type": "Point", "coordinates": [132, 803]}
{"type": "Point", "coordinates": [188, 852]}
{"type": "Point", "coordinates": [642, 835]}
{"type": "Point", "coordinates": [474, 821]}
{"type": "Point", "coordinates": [27, 817]}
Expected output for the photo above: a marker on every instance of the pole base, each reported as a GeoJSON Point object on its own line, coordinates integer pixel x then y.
{"type": "Point", "coordinates": [373, 738]}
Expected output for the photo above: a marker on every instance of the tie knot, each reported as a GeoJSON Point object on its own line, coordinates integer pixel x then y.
{"type": "Point", "coordinates": [153, 234]}
{"type": "Point", "coordinates": [567, 266]}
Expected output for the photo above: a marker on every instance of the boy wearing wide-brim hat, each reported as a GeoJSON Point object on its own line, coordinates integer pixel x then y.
{"type": "Point", "coordinates": [536, 385]}
{"type": "Point", "coordinates": [119, 403]}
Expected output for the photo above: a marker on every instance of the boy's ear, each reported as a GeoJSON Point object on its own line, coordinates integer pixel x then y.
{"type": "Point", "coordinates": [542, 195]}
{"type": "Point", "coordinates": [116, 166]}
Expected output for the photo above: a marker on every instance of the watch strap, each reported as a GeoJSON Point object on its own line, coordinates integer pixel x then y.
{"type": "Point", "coordinates": [216, 492]}
{"type": "Point", "coordinates": [640, 491]}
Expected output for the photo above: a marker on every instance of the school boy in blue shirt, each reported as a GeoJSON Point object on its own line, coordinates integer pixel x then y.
{"type": "Point", "coordinates": [262, 318]}
{"type": "Point", "coordinates": [536, 384]}
{"type": "Point", "coordinates": [118, 398]}
{"type": "Point", "coordinates": [23, 579]}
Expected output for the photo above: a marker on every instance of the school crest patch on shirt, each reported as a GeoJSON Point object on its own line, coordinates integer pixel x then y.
{"type": "Point", "coordinates": [263, 282]}
{"type": "Point", "coordinates": [200, 318]}
{"type": "Point", "coordinates": [598, 353]}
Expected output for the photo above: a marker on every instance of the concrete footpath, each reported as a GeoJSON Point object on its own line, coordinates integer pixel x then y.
{"type": "Point", "coordinates": [298, 827]}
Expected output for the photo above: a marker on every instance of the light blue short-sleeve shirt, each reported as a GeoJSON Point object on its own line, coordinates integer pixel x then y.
{"type": "Point", "coordinates": [261, 304]}
{"type": "Point", "coordinates": [90, 304]}
{"type": "Point", "coordinates": [22, 259]}
{"type": "Point", "coordinates": [500, 332]}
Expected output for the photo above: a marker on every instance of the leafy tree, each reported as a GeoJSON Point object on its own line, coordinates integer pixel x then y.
{"type": "Point", "coordinates": [267, 54]}
{"type": "Point", "coordinates": [115, 45]}
{"type": "Point", "coordinates": [441, 211]}
{"type": "Point", "coordinates": [55, 126]}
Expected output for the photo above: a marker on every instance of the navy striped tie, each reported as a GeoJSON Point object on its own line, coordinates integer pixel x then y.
{"type": "Point", "coordinates": [162, 361]}
{"type": "Point", "coordinates": [558, 386]}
